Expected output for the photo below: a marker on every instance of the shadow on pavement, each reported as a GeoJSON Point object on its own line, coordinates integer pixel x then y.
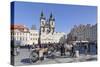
{"type": "Point", "coordinates": [26, 61]}
{"type": "Point", "coordinates": [91, 59]}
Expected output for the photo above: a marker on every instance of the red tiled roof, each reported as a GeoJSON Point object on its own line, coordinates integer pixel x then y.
{"type": "Point", "coordinates": [19, 27]}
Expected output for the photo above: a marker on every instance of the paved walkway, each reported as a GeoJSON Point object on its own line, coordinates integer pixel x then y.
{"type": "Point", "coordinates": [82, 58]}
{"type": "Point", "coordinates": [23, 59]}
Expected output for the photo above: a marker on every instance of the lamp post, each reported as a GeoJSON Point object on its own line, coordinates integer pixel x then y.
{"type": "Point", "coordinates": [39, 39]}
{"type": "Point", "coordinates": [88, 45]}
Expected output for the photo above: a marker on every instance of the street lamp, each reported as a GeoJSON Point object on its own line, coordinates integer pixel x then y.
{"type": "Point", "coordinates": [39, 39]}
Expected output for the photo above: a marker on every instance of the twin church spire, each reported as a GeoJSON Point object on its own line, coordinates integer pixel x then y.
{"type": "Point", "coordinates": [50, 18]}
{"type": "Point", "coordinates": [47, 25]}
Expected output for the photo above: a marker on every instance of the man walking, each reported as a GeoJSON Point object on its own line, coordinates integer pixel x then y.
{"type": "Point", "coordinates": [62, 50]}
{"type": "Point", "coordinates": [72, 53]}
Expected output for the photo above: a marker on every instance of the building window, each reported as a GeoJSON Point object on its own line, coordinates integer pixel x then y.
{"type": "Point", "coordinates": [20, 38]}
{"type": "Point", "coordinates": [16, 38]}
{"type": "Point", "coordinates": [23, 38]}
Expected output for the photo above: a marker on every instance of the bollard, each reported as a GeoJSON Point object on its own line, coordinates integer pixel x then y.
{"type": "Point", "coordinates": [76, 53]}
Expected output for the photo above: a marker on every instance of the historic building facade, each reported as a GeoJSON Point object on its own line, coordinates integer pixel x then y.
{"type": "Point", "coordinates": [20, 34]}
{"type": "Point", "coordinates": [83, 33]}
{"type": "Point", "coordinates": [46, 32]}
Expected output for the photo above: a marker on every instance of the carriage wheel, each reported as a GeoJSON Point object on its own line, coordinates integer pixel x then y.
{"type": "Point", "coordinates": [34, 56]}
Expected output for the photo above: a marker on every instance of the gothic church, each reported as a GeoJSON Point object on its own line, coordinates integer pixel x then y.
{"type": "Point", "coordinates": [47, 25]}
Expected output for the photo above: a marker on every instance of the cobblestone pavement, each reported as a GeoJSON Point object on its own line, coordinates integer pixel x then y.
{"type": "Point", "coordinates": [23, 59]}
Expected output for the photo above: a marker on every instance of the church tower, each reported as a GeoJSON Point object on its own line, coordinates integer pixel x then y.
{"type": "Point", "coordinates": [52, 23]}
{"type": "Point", "coordinates": [42, 22]}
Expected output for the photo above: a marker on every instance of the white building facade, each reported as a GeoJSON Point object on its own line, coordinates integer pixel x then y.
{"type": "Point", "coordinates": [20, 34]}
{"type": "Point", "coordinates": [47, 34]}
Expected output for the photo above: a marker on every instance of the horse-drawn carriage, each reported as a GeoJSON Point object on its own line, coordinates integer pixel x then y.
{"type": "Point", "coordinates": [48, 51]}
{"type": "Point", "coordinates": [37, 53]}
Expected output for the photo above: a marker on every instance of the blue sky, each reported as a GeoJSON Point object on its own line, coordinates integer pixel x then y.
{"type": "Point", "coordinates": [66, 16]}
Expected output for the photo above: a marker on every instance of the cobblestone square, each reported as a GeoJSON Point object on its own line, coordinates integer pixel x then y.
{"type": "Point", "coordinates": [23, 59]}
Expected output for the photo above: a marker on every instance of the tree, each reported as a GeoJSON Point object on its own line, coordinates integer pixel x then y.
{"type": "Point", "coordinates": [62, 39]}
